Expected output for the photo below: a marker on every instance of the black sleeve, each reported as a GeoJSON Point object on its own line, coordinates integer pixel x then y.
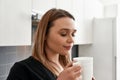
{"type": "Point", "coordinates": [18, 72]}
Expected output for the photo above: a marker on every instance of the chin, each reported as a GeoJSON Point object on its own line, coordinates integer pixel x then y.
{"type": "Point", "coordinates": [65, 53]}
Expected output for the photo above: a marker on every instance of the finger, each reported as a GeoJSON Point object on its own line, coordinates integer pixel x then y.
{"type": "Point", "coordinates": [69, 65]}
{"type": "Point", "coordinates": [78, 73]}
{"type": "Point", "coordinates": [76, 68]}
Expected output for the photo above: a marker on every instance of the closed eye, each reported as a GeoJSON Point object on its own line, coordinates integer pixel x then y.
{"type": "Point", "coordinates": [63, 34]}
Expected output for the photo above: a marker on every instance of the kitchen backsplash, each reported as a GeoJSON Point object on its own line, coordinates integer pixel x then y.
{"type": "Point", "coordinates": [9, 55]}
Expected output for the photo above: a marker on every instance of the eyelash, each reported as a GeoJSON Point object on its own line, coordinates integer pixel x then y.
{"type": "Point", "coordinates": [63, 35]}
{"type": "Point", "coordinates": [66, 34]}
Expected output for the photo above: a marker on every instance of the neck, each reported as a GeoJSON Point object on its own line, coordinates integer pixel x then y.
{"type": "Point", "coordinates": [54, 58]}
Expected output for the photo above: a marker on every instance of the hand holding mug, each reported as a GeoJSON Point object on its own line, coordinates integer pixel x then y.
{"type": "Point", "coordinates": [71, 72]}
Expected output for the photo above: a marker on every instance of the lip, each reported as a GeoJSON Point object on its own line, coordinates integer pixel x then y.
{"type": "Point", "coordinates": [67, 47]}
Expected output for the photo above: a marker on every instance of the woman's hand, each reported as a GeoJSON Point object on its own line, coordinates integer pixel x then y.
{"type": "Point", "coordinates": [70, 72]}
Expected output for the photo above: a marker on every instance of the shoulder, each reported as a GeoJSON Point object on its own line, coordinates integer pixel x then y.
{"type": "Point", "coordinates": [28, 69]}
{"type": "Point", "coordinates": [30, 64]}
{"type": "Point", "coordinates": [19, 71]}
{"type": "Point", "coordinates": [21, 65]}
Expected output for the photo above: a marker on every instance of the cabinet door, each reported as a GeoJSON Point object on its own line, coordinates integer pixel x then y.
{"type": "Point", "coordinates": [15, 22]}
{"type": "Point", "coordinates": [41, 6]}
{"type": "Point", "coordinates": [64, 4]}
{"type": "Point", "coordinates": [77, 6]}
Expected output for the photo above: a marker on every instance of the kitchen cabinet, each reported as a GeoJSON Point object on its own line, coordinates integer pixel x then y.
{"type": "Point", "coordinates": [82, 33]}
{"type": "Point", "coordinates": [15, 22]}
{"type": "Point", "coordinates": [41, 6]}
{"type": "Point", "coordinates": [75, 7]}
{"type": "Point", "coordinates": [79, 9]}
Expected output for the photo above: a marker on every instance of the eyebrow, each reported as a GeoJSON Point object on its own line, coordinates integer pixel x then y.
{"type": "Point", "coordinates": [68, 29]}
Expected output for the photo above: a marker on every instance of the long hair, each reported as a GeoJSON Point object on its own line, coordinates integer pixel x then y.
{"type": "Point", "coordinates": [44, 25]}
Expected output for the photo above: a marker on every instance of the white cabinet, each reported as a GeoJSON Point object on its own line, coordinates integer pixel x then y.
{"type": "Point", "coordinates": [64, 4]}
{"type": "Point", "coordinates": [85, 14]}
{"type": "Point", "coordinates": [80, 9]}
{"type": "Point", "coordinates": [73, 6]}
{"type": "Point", "coordinates": [43, 5]}
{"type": "Point", "coordinates": [81, 34]}
{"type": "Point", "coordinates": [15, 22]}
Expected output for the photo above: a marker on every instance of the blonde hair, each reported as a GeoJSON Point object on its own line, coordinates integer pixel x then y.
{"type": "Point", "coordinates": [42, 30]}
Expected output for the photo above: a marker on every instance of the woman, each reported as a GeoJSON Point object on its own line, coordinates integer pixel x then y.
{"type": "Point", "coordinates": [50, 59]}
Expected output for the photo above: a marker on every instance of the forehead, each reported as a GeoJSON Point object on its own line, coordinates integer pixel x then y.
{"type": "Point", "coordinates": [64, 23]}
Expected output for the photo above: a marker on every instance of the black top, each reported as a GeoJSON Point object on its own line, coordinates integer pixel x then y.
{"type": "Point", "coordinates": [30, 69]}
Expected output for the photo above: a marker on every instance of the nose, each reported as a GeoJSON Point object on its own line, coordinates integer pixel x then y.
{"type": "Point", "coordinates": [70, 39]}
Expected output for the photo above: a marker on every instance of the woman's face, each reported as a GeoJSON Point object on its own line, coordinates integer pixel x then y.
{"type": "Point", "coordinates": [60, 37]}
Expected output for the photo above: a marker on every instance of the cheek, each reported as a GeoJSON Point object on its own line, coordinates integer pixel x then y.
{"type": "Point", "coordinates": [56, 41]}
{"type": "Point", "coordinates": [56, 44]}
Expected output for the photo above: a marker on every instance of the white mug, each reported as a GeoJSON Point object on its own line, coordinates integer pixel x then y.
{"type": "Point", "coordinates": [87, 67]}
